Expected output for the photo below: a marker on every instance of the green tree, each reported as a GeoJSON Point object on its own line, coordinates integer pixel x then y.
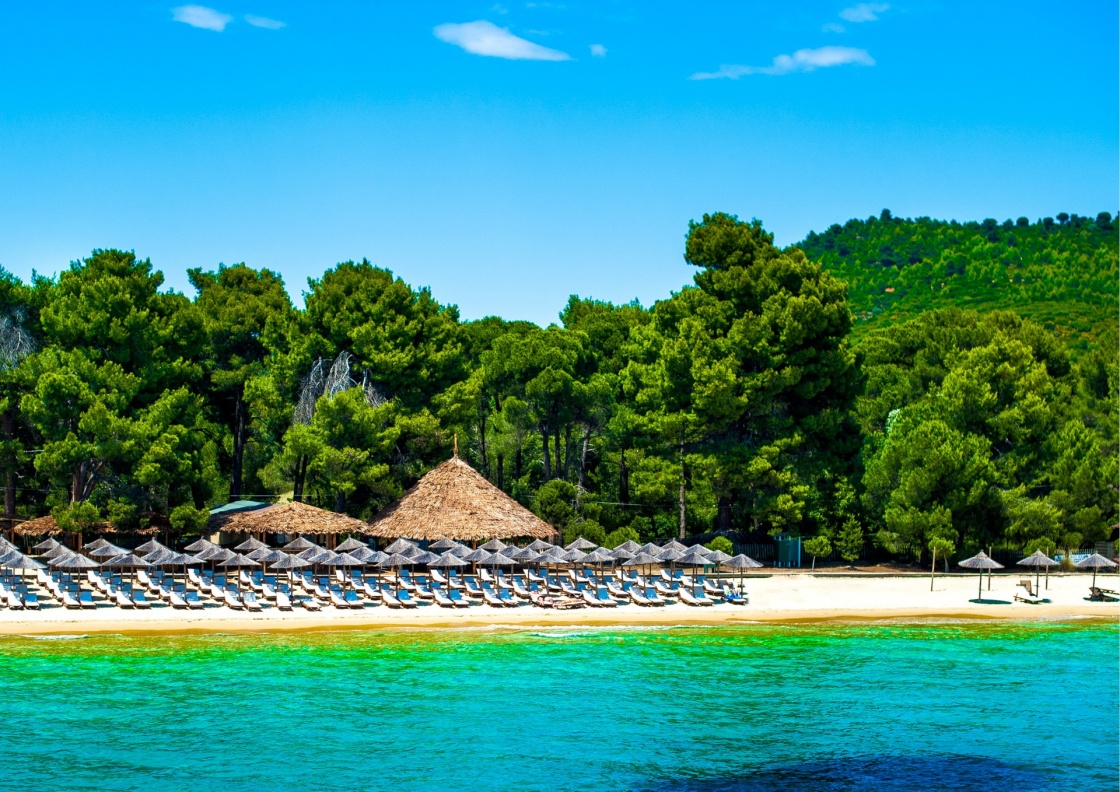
{"type": "Point", "coordinates": [939, 544]}
{"type": "Point", "coordinates": [850, 540]}
{"type": "Point", "coordinates": [819, 545]}
{"type": "Point", "coordinates": [723, 544]}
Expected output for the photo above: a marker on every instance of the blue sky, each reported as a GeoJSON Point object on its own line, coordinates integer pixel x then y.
{"type": "Point", "coordinates": [508, 155]}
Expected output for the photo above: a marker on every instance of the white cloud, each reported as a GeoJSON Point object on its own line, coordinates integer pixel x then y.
{"type": "Point", "coordinates": [804, 60]}
{"type": "Point", "coordinates": [201, 17]}
{"type": "Point", "coordinates": [264, 22]}
{"type": "Point", "coordinates": [486, 38]}
{"type": "Point", "coordinates": [598, 50]}
{"type": "Point", "coordinates": [864, 12]}
{"type": "Point", "coordinates": [832, 27]}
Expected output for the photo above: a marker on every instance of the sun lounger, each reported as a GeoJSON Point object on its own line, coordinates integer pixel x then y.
{"type": "Point", "coordinates": [442, 599]}
{"type": "Point", "coordinates": [695, 597]}
{"type": "Point", "coordinates": [250, 601]}
{"type": "Point", "coordinates": [232, 600]}
{"type": "Point", "coordinates": [406, 600]}
{"type": "Point", "coordinates": [653, 598]}
{"type": "Point", "coordinates": [177, 601]}
{"type": "Point", "coordinates": [637, 597]}
{"type": "Point", "coordinates": [353, 601]}
{"type": "Point", "coordinates": [283, 601]}
{"type": "Point", "coordinates": [734, 597]}
{"type": "Point", "coordinates": [1029, 596]}
{"type": "Point", "coordinates": [122, 599]}
{"type": "Point", "coordinates": [712, 588]}
{"type": "Point", "coordinates": [69, 600]}
{"type": "Point", "coordinates": [1097, 594]}
{"type": "Point", "coordinates": [389, 598]}
{"type": "Point", "coordinates": [85, 600]}
{"type": "Point", "coordinates": [139, 600]}
{"type": "Point", "coordinates": [309, 603]}
{"type": "Point", "coordinates": [491, 599]}
{"type": "Point", "coordinates": [193, 602]}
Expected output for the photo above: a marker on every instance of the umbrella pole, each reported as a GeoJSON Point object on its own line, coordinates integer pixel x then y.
{"type": "Point", "coordinates": [980, 588]}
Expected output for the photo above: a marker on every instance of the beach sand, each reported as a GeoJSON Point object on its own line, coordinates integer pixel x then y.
{"type": "Point", "coordinates": [784, 597]}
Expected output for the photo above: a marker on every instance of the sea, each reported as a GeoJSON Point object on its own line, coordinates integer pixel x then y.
{"type": "Point", "coordinates": [1007, 707]}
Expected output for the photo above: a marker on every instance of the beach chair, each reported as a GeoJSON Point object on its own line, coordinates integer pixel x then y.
{"type": "Point", "coordinates": [457, 599]}
{"type": "Point", "coordinates": [1029, 597]}
{"type": "Point", "coordinates": [519, 589]}
{"type": "Point", "coordinates": [337, 599]}
{"type": "Point", "coordinates": [389, 598]}
{"type": "Point", "coordinates": [193, 602]}
{"type": "Point", "coordinates": [406, 600]}
{"type": "Point", "coordinates": [85, 600]}
{"type": "Point", "coordinates": [695, 597]}
{"type": "Point", "coordinates": [310, 603]}
{"type": "Point", "coordinates": [1097, 594]}
{"type": "Point", "coordinates": [605, 599]}
{"type": "Point", "coordinates": [283, 601]}
{"type": "Point", "coordinates": [507, 598]}
{"type": "Point", "coordinates": [69, 600]}
{"type": "Point", "coordinates": [590, 599]}
{"type": "Point", "coordinates": [177, 601]}
{"type": "Point", "coordinates": [231, 599]}
{"type": "Point", "coordinates": [369, 588]}
{"type": "Point", "coordinates": [653, 598]}
{"type": "Point", "coordinates": [140, 601]}
{"type": "Point", "coordinates": [491, 599]}
{"type": "Point", "coordinates": [442, 599]}
{"type": "Point", "coordinates": [352, 600]}
{"type": "Point", "coordinates": [637, 597]}
{"type": "Point", "coordinates": [249, 599]}
{"type": "Point", "coordinates": [734, 597]}
{"type": "Point", "coordinates": [712, 588]}
{"type": "Point", "coordinates": [472, 587]}
{"type": "Point", "coordinates": [122, 599]}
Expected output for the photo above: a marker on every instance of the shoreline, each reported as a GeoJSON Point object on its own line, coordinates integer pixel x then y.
{"type": "Point", "coordinates": [781, 599]}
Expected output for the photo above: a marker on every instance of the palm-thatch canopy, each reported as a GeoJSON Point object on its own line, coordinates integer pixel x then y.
{"type": "Point", "coordinates": [293, 517]}
{"type": "Point", "coordinates": [455, 501]}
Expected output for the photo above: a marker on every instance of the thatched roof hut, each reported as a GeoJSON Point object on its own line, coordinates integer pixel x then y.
{"type": "Point", "coordinates": [454, 501]}
{"type": "Point", "coordinates": [40, 526]}
{"type": "Point", "coordinates": [294, 517]}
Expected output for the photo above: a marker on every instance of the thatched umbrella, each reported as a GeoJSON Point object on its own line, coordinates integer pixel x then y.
{"type": "Point", "coordinates": [107, 551]}
{"type": "Point", "coordinates": [294, 517]}
{"type": "Point", "coordinates": [299, 544]}
{"type": "Point", "coordinates": [350, 544]}
{"type": "Point", "coordinates": [5, 545]}
{"type": "Point", "coordinates": [395, 562]}
{"type": "Point", "coordinates": [442, 544]}
{"type": "Point", "coordinates": [447, 561]}
{"type": "Point", "coordinates": [150, 546]}
{"type": "Point", "coordinates": [363, 554]}
{"type": "Point", "coordinates": [288, 562]}
{"type": "Point", "coordinates": [674, 545]}
{"type": "Point", "coordinates": [73, 561]}
{"type": "Point", "coordinates": [454, 501]}
{"type": "Point", "coordinates": [198, 545]}
{"type": "Point", "coordinates": [314, 554]}
{"type": "Point", "coordinates": [695, 556]}
{"type": "Point", "coordinates": [96, 543]}
{"type": "Point", "coordinates": [580, 544]}
{"type": "Point", "coordinates": [44, 546]}
{"type": "Point", "coordinates": [575, 556]}
{"type": "Point", "coordinates": [61, 550]}
{"type": "Point", "coordinates": [740, 562]}
{"type": "Point", "coordinates": [252, 543]}
{"type": "Point", "coordinates": [1038, 560]}
{"type": "Point", "coordinates": [629, 546]}
{"type": "Point", "coordinates": [17, 561]}
{"type": "Point", "coordinates": [127, 561]}
{"type": "Point", "coordinates": [717, 557]}
{"type": "Point", "coordinates": [264, 552]}
{"type": "Point", "coordinates": [494, 546]}
{"type": "Point", "coordinates": [399, 546]}
{"type": "Point", "coordinates": [477, 556]}
{"type": "Point", "coordinates": [651, 549]}
{"type": "Point", "coordinates": [1095, 561]}
{"type": "Point", "coordinates": [540, 545]}
{"type": "Point", "coordinates": [238, 561]}
{"type": "Point", "coordinates": [642, 559]}
{"type": "Point", "coordinates": [599, 556]}
{"type": "Point", "coordinates": [980, 561]}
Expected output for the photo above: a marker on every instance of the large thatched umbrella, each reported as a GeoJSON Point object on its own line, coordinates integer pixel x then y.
{"type": "Point", "coordinates": [454, 501]}
{"type": "Point", "coordinates": [351, 544]}
{"type": "Point", "coordinates": [45, 545]}
{"type": "Point", "coordinates": [980, 561]}
{"type": "Point", "coordinates": [299, 544]}
{"type": "Point", "coordinates": [150, 546]}
{"type": "Point", "coordinates": [252, 543]}
{"type": "Point", "coordinates": [395, 562]}
{"type": "Point", "coordinates": [17, 561]}
{"type": "Point", "coordinates": [442, 544]}
{"type": "Point", "coordinates": [539, 545]}
{"type": "Point", "coordinates": [1038, 560]}
{"type": "Point", "coordinates": [400, 546]}
{"type": "Point", "coordinates": [294, 517]}
{"type": "Point", "coordinates": [1095, 561]}
{"type": "Point", "coordinates": [126, 561]}
{"type": "Point", "coordinates": [581, 544]}
{"type": "Point", "coordinates": [198, 545]}
{"type": "Point", "coordinates": [108, 550]}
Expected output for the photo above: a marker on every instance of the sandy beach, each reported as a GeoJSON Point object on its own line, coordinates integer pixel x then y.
{"type": "Point", "coordinates": [798, 597]}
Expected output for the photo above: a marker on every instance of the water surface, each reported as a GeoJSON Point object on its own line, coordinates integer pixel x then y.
{"type": "Point", "coordinates": [831, 707]}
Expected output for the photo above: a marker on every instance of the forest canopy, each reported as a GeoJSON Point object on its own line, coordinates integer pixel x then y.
{"type": "Point", "coordinates": [887, 383]}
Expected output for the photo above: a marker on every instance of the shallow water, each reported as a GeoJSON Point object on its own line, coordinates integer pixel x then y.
{"type": "Point", "coordinates": [936, 707]}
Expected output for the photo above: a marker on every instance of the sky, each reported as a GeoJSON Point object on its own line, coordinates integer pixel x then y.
{"type": "Point", "coordinates": [509, 155]}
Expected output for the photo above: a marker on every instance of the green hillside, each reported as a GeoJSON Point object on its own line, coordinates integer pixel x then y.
{"type": "Point", "coordinates": [1060, 272]}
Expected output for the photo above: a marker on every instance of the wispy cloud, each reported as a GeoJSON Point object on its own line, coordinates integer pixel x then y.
{"type": "Point", "coordinates": [598, 50]}
{"type": "Point", "coordinates": [486, 38]}
{"type": "Point", "coordinates": [833, 27]}
{"type": "Point", "coordinates": [201, 17]}
{"type": "Point", "coordinates": [804, 60]}
{"type": "Point", "coordinates": [264, 22]}
{"type": "Point", "coordinates": [864, 12]}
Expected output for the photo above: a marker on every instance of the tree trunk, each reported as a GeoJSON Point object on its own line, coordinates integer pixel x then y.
{"type": "Point", "coordinates": [681, 533]}
{"type": "Point", "coordinates": [297, 483]}
{"type": "Point", "coordinates": [240, 427]}
{"type": "Point", "coordinates": [340, 502]}
{"type": "Point", "coordinates": [517, 462]}
{"type": "Point", "coordinates": [623, 482]}
{"type": "Point", "coordinates": [568, 451]}
{"type": "Point", "coordinates": [583, 459]}
{"type": "Point", "coordinates": [558, 461]}
{"type": "Point", "coordinates": [501, 471]}
{"type": "Point", "coordinates": [932, 569]}
{"type": "Point", "coordinates": [482, 451]}
{"type": "Point", "coordinates": [723, 515]}
{"type": "Point", "coordinates": [814, 567]}
{"type": "Point", "coordinates": [547, 458]}
{"type": "Point", "coordinates": [10, 476]}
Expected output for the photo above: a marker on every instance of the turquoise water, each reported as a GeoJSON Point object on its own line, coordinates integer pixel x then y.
{"type": "Point", "coordinates": [945, 707]}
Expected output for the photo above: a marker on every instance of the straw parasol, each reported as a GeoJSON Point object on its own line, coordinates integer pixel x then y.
{"type": "Point", "coordinates": [73, 561]}
{"type": "Point", "coordinates": [650, 548]}
{"type": "Point", "coordinates": [108, 550]}
{"type": "Point", "coordinates": [980, 561]}
{"type": "Point", "coordinates": [1038, 560]}
{"type": "Point", "coordinates": [150, 546]}
{"type": "Point", "coordinates": [539, 545]}
{"type": "Point", "coordinates": [299, 544]}
{"type": "Point", "coordinates": [363, 554]}
{"type": "Point", "coordinates": [400, 546]}
{"type": "Point", "coordinates": [495, 546]}
{"type": "Point", "coordinates": [740, 562]}
{"type": "Point", "coordinates": [443, 544]}
{"type": "Point", "coordinates": [60, 550]}
{"type": "Point", "coordinates": [199, 545]}
{"type": "Point", "coordinates": [477, 556]}
{"type": "Point", "coordinates": [395, 562]}
{"type": "Point", "coordinates": [1095, 561]}
{"type": "Point", "coordinates": [350, 544]}
{"type": "Point", "coordinates": [455, 501]}
{"type": "Point", "coordinates": [580, 544]}
{"type": "Point", "coordinates": [642, 559]}
{"type": "Point", "coordinates": [17, 561]}
{"type": "Point", "coordinates": [575, 556]}
{"type": "Point", "coordinates": [96, 543]}
{"type": "Point", "coordinates": [675, 545]}
{"type": "Point", "coordinates": [252, 543]}
{"type": "Point", "coordinates": [294, 517]}
{"type": "Point", "coordinates": [45, 545]}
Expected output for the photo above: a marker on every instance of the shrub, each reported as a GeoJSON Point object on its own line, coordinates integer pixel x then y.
{"type": "Point", "coordinates": [619, 536]}
{"type": "Point", "coordinates": [721, 543]}
{"type": "Point", "coordinates": [588, 529]}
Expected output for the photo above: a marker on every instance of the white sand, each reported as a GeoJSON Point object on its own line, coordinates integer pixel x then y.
{"type": "Point", "coordinates": [779, 598]}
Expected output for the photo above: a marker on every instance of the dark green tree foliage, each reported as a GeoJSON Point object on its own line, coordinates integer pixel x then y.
{"type": "Point", "coordinates": [245, 314]}
{"type": "Point", "coordinates": [1062, 276]}
{"type": "Point", "coordinates": [746, 401]}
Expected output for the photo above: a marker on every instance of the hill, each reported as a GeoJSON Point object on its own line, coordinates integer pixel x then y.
{"type": "Point", "coordinates": [1061, 272]}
